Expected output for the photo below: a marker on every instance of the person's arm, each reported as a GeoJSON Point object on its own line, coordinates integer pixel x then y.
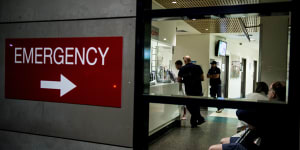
{"type": "Point", "coordinates": [179, 79]}
{"type": "Point", "coordinates": [208, 74]}
{"type": "Point", "coordinates": [202, 77]}
{"type": "Point", "coordinates": [201, 72]}
{"type": "Point", "coordinates": [180, 75]}
{"type": "Point", "coordinates": [215, 76]}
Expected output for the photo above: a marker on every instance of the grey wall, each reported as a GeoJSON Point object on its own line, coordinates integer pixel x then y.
{"type": "Point", "coordinates": [29, 10]}
{"type": "Point", "coordinates": [35, 142]}
{"type": "Point", "coordinates": [273, 48]}
{"type": "Point", "coordinates": [113, 126]}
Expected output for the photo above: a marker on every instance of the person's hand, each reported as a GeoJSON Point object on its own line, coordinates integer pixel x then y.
{"type": "Point", "coordinates": [179, 79]}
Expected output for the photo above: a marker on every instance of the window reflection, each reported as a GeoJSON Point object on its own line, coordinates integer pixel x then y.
{"type": "Point", "coordinates": [246, 49]}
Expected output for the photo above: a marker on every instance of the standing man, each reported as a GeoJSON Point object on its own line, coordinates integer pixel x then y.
{"type": "Point", "coordinates": [192, 76]}
{"type": "Point", "coordinates": [215, 82]}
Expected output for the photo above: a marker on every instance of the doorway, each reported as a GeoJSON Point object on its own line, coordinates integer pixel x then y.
{"type": "Point", "coordinates": [243, 78]}
{"type": "Point", "coordinates": [224, 76]}
{"type": "Point", "coordinates": [227, 76]}
{"type": "Point", "coordinates": [254, 75]}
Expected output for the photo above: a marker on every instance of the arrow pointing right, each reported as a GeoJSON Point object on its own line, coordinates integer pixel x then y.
{"type": "Point", "coordinates": [64, 85]}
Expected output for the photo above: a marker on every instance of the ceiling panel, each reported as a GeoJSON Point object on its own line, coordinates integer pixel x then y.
{"type": "Point", "coordinates": [225, 25]}
{"type": "Point", "coordinates": [218, 25]}
{"type": "Point", "coordinates": [203, 3]}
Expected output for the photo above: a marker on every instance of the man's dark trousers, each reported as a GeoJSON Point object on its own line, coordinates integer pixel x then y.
{"type": "Point", "coordinates": [215, 91]}
{"type": "Point", "coordinates": [194, 109]}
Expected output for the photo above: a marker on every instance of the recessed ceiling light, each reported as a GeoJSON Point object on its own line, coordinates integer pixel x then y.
{"type": "Point", "coordinates": [165, 39]}
{"type": "Point", "coordinates": [206, 29]}
{"type": "Point", "coordinates": [174, 2]}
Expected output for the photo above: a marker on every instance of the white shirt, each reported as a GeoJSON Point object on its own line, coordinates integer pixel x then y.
{"type": "Point", "coordinates": [257, 96]}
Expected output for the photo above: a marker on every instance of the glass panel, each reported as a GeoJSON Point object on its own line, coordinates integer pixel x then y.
{"type": "Point", "coordinates": [161, 115]}
{"type": "Point", "coordinates": [171, 4]}
{"type": "Point", "coordinates": [246, 49]}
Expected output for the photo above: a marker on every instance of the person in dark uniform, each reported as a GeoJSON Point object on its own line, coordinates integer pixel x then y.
{"type": "Point", "coordinates": [215, 82]}
{"type": "Point", "coordinates": [192, 76]}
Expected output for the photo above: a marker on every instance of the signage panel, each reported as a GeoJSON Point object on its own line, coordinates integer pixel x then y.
{"type": "Point", "coordinates": [85, 70]}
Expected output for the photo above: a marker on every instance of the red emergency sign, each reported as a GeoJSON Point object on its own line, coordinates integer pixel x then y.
{"type": "Point", "coordinates": [85, 70]}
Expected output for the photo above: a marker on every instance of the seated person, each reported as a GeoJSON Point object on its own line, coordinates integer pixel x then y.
{"type": "Point", "coordinates": [245, 140]}
{"type": "Point", "coordinates": [259, 126]}
{"type": "Point", "coordinates": [261, 93]}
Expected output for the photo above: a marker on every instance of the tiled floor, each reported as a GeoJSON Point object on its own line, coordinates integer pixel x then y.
{"type": "Point", "coordinates": [216, 127]}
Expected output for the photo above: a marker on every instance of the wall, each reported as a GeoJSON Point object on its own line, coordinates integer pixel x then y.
{"type": "Point", "coordinates": [59, 18]}
{"type": "Point", "coordinates": [250, 53]}
{"type": "Point", "coordinates": [196, 46]}
{"type": "Point", "coordinates": [274, 45]}
{"type": "Point", "coordinates": [37, 142]}
{"type": "Point", "coordinates": [30, 10]}
{"type": "Point", "coordinates": [167, 31]}
{"type": "Point", "coordinates": [248, 50]}
{"type": "Point", "coordinates": [202, 48]}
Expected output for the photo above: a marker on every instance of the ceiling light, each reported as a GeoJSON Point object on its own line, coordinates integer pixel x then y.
{"type": "Point", "coordinates": [206, 29]}
{"type": "Point", "coordinates": [165, 39]}
{"type": "Point", "coordinates": [174, 2]}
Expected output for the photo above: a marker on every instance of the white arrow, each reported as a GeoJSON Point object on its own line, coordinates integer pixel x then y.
{"type": "Point", "coordinates": [64, 85]}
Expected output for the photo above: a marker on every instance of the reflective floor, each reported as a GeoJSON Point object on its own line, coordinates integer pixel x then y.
{"type": "Point", "coordinates": [217, 126]}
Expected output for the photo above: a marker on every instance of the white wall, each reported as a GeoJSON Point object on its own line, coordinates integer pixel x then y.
{"type": "Point", "coordinates": [196, 46]}
{"type": "Point", "coordinates": [250, 54]}
{"type": "Point", "coordinates": [274, 45]}
{"type": "Point", "coordinates": [248, 50]}
{"type": "Point", "coordinates": [167, 30]}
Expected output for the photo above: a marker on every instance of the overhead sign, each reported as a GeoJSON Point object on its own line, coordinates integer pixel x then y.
{"type": "Point", "coordinates": [84, 70]}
